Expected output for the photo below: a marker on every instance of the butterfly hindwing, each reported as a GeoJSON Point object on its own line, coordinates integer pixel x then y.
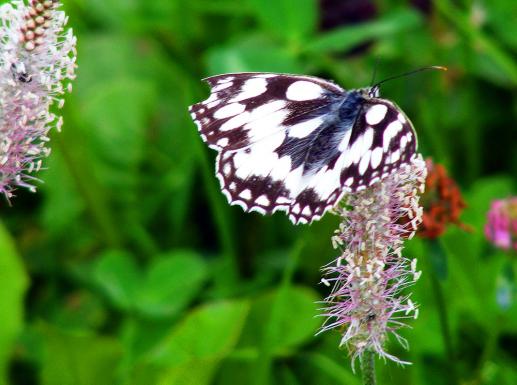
{"type": "Point", "coordinates": [381, 141]}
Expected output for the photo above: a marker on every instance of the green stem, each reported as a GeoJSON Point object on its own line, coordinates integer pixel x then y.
{"type": "Point", "coordinates": [444, 326]}
{"type": "Point", "coordinates": [489, 349]}
{"type": "Point", "coordinates": [368, 368]}
{"type": "Point", "coordinates": [88, 188]}
{"type": "Point", "coordinates": [272, 328]}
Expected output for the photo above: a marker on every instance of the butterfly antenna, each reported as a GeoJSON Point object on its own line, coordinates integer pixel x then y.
{"type": "Point", "coordinates": [440, 68]}
{"type": "Point", "coordinates": [375, 70]}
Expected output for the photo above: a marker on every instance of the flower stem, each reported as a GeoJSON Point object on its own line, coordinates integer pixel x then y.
{"type": "Point", "coordinates": [368, 367]}
{"type": "Point", "coordinates": [438, 268]}
{"type": "Point", "coordinates": [444, 327]}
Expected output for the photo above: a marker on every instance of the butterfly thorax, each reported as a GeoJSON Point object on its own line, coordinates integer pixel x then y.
{"type": "Point", "coordinates": [323, 146]}
{"type": "Point", "coordinates": [350, 107]}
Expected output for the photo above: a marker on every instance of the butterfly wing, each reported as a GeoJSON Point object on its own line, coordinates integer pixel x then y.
{"type": "Point", "coordinates": [284, 145]}
{"type": "Point", "coordinates": [244, 108]}
{"type": "Point", "coordinates": [382, 140]}
{"type": "Point", "coordinates": [261, 125]}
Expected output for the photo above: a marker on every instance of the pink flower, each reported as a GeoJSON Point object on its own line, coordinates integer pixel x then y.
{"type": "Point", "coordinates": [37, 58]}
{"type": "Point", "coordinates": [501, 226]}
{"type": "Point", "coordinates": [366, 303]}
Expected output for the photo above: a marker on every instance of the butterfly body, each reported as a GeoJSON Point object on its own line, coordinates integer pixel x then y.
{"type": "Point", "coordinates": [297, 143]}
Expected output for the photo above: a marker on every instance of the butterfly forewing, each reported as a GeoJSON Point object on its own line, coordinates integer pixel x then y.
{"type": "Point", "coordinates": [240, 102]}
{"type": "Point", "coordinates": [298, 143]}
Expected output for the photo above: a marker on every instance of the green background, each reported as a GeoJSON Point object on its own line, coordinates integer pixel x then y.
{"type": "Point", "coordinates": [129, 267]}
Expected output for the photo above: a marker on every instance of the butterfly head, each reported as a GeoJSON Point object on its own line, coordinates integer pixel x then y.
{"type": "Point", "coordinates": [369, 92]}
{"type": "Point", "coordinates": [373, 92]}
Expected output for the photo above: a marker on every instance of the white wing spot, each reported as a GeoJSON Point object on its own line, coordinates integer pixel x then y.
{"type": "Point", "coordinates": [306, 211]}
{"type": "Point", "coordinates": [365, 161]}
{"type": "Point", "coordinates": [283, 200]}
{"type": "Point", "coordinates": [401, 118]}
{"type": "Point", "coordinates": [213, 104]}
{"type": "Point", "coordinates": [221, 86]}
{"type": "Point", "coordinates": [245, 194]}
{"type": "Point", "coordinates": [349, 181]}
{"type": "Point", "coordinates": [262, 200]}
{"type": "Point", "coordinates": [240, 203]}
{"type": "Point", "coordinates": [303, 90]}
{"type": "Point", "coordinates": [301, 130]}
{"type": "Point", "coordinates": [403, 142]}
{"type": "Point", "coordinates": [225, 80]}
{"type": "Point", "coordinates": [227, 194]}
{"type": "Point", "coordinates": [229, 110]}
{"type": "Point", "coordinates": [367, 140]}
{"type": "Point", "coordinates": [213, 96]}
{"type": "Point", "coordinates": [376, 113]}
{"type": "Point", "coordinates": [251, 88]}
{"type": "Point", "coordinates": [395, 156]}
{"type": "Point", "coordinates": [223, 142]}
{"type": "Point", "coordinates": [389, 133]}
{"type": "Point", "coordinates": [373, 180]}
{"type": "Point", "coordinates": [258, 209]}
{"type": "Point", "coordinates": [235, 122]}
{"type": "Point", "coordinates": [376, 157]}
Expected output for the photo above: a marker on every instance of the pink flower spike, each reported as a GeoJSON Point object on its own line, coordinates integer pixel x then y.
{"type": "Point", "coordinates": [37, 59]}
{"type": "Point", "coordinates": [366, 303]}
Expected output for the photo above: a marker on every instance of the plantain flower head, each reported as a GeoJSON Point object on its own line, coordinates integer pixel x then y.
{"type": "Point", "coordinates": [368, 301]}
{"type": "Point", "coordinates": [37, 63]}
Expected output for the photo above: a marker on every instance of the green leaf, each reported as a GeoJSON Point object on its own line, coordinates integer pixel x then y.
{"type": "Point", "coordinates": [63, 205]}
{"type": "Point", "coordinates": [289, 19]}
{"type": "Point", "coordinates": [251, 55]}
{"type": "Point", "coordinates": [344, 38]}
{"type": "Point", "coordinates": [210, 331]}
{"type": "Point", "coordinates": [116, 274]}
{"type": "Point", "coordinates": [171, 283]}
{"type": "Point", "coordinates": [335, 370]}
{"type": "Point", "coordinates": [14, 284]}
{"type": "Point", "coordinates": [195, 348]}
{"type": "Point", "coordinates": [292, 327]}
{"type": "Point", "coordinates": [75, 359]}
{"type": "Point", "coordinates": [115, 97]}
{"type": "Point", "coordinates": [497, 13]}
{"type": "Point", "coordinates": [482, 193]}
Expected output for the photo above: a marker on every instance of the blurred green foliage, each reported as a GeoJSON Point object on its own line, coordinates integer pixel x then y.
{"type": "Point", "coordinates": [128, 266]}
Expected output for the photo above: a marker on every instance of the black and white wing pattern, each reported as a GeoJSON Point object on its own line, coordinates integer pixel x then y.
{"type": "Point", "coordinates": [297, 143]}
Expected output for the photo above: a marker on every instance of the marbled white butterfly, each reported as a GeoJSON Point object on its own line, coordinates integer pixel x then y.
{"type": "Point", "coordinates": [298, 143]}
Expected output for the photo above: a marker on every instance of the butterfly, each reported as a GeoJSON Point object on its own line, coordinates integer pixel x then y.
{"type": "Point", "coordinates": [298, 143]}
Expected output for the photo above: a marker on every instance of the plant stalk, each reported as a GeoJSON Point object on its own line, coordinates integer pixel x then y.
{"type": "Point", "coordinates": [368, 368]}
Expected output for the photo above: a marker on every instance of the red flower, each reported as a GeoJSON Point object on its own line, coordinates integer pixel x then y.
{"type": "Point", "coordinates": [442, 202]}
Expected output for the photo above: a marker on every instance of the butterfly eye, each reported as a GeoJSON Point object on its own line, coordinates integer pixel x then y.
{"type": "Point", "coordinates": [373, 92]}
